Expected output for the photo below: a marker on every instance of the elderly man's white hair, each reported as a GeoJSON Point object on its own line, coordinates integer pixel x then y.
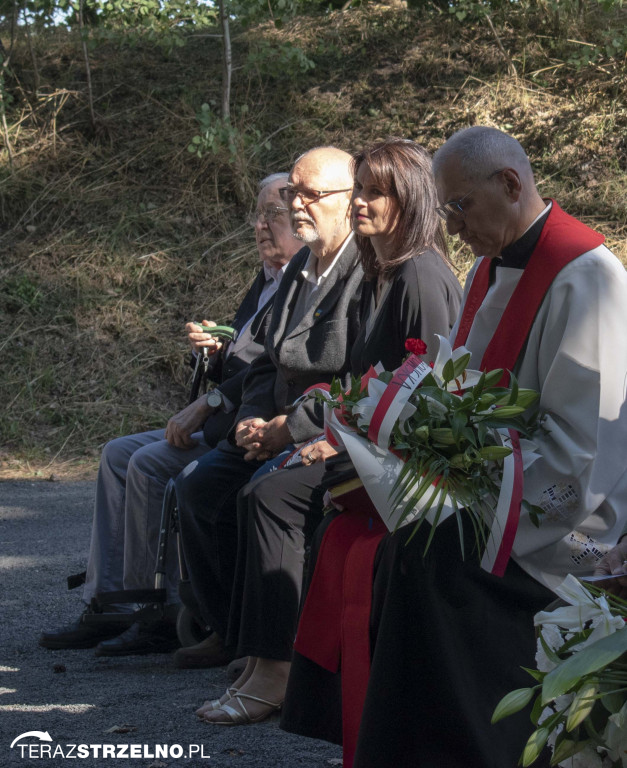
{"type": "Point", "coordinates": [480, 150]}
{"type": "Point", "coordinates": [272, 178]}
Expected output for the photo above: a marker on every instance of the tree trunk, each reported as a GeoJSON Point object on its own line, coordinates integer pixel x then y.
{"type": "Point", "coordinates": [227, 63]}
{"type": "Point", "coordinates": [90, 93]}
{"type": "Point", "coordinates": [31, 51]}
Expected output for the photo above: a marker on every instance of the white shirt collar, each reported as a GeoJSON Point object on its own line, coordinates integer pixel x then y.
{"type": "Point", "coordinates": [309, 270]}
{"type": "Point", "coordinates": [274, 273]}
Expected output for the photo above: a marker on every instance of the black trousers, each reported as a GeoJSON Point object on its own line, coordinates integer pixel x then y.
{"type": "Point", "coordinates": [206, 492]}
{"type": "Point", "coordinates": [277, 516]}
{"type": "Point", "coordinates": [448, 641]}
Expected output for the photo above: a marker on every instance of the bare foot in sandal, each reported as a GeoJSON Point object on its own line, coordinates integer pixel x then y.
{"type": "Point", "coordinates": [214, 704]}
{"type": "Point", "coordinates": [258, 698]}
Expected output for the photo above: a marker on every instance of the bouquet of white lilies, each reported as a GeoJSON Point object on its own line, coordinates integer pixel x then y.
{"type": "Point", "coordinates": [431, 441]}
{"type": "Point", "coordinates": [580, 707]}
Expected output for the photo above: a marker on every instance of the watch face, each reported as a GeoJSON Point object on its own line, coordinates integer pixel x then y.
{"type": "Point", "coordinates": [214, 399]}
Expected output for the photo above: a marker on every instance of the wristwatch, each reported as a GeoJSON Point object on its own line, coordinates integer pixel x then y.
{"type": "Point", "coordinates": [214, 399]}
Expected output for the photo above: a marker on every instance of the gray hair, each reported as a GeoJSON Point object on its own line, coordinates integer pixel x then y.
{"type": "Point", "coordinates": [481, 149]}
{"type": "Point", "coordinates": [272, 178]}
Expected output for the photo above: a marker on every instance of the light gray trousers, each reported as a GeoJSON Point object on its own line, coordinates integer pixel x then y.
{"type": "Point", "coordinates": [134, 471]}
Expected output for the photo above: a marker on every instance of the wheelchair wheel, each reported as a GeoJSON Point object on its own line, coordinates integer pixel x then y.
{"type": "Point", "coordinates": [190, 631]}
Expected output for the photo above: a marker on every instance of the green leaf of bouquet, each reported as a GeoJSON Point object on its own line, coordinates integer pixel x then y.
{"type": "Point", "coordinates": [479, 387]}
{"type": "Point", "coordinates": [502, 398]}
{"type": "Point", "coordinates": [613, 701]}
{"type": "Point", "coordinates": [535, 673]}
{"type": "Point", "coordinates": [460, 365]}
{"type": "Point", "coordinates": [469, 435]}
{"type": "Point", "coordinates": [458, 422]}
{"type": "Point", "coordinates": [492, 378]}
{"type": "Point", "coordinates": [441, 488]}
{"type": "Point", "coordinates": [536, 711]}
{"type": "Point", "coordinates": [582, 704]}
{"type": "Point", "coordinates": [448, 372]}
{"type": "Point", "coordinates": [587, 661]}
{"type": "Point", "coordinates": [565, 748]}
{"type": "Point", "coordinates": [494, 452]}
{"type": "Point", "coordinates": [386, 377]}
{"type": "Point", "coordinates": [424, 484]}
{"type": "Point", "coordinates": [513, 386]}
{"type": "Point", "coordinates": [507, 411]}
{"type": "Point", "coordinates": [494, 422]}
{"type": "Point", "coordinates": [429, 381]}
{"type": "Point", "coordinates": [526, 397]}
{"type": "Point", "coordinates": [534, 746]}
{"type": "Point", "coordinates": [512, 703]}
{"type": "Point", "coordinates": [467, 403]}
{"type": "Point", "coordinates": [534, 512]}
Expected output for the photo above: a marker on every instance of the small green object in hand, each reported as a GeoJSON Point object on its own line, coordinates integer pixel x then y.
{"type": "Point", "coordinates": [220, 331]}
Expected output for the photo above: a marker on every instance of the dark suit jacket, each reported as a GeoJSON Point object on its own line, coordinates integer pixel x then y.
{"type": "Point", "coordinates": [316, 350]}
{"type": "Point", "coordinates": [229, 371]}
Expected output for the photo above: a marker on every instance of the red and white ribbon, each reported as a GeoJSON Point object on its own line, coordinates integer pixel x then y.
{"type": "Point", "coordinates": [406, 379]}
{"type": "Point", "coordinates": [505, 524]}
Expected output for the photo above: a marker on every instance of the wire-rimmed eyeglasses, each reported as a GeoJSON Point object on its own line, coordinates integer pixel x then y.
{"type": "Point", "coordinates": [266, 215]}
{"type": "Point", "coordinates": [454, 207]}
{"type": "Point", "coordinates": [308, 196]}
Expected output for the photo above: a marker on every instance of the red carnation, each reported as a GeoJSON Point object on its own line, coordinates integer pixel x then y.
{"type": "Point", "coordinates": [416, 346]}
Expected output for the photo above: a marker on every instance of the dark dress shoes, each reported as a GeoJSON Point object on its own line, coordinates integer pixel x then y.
{"type": "Point", "coordinates": [139, 639]}
{"type": "Point", "coordinates": [79, 635]}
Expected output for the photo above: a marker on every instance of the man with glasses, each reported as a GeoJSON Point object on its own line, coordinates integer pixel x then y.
{"type": "Point", "coordinates": [547, 301]}
{"type": "Point", "coordinates": [135, 469]}
{"type": "Point", "coordinates": [314, 323]}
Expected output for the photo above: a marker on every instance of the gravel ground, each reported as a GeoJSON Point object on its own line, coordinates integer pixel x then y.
{"type": "Point", "coordinates": [81, 700]}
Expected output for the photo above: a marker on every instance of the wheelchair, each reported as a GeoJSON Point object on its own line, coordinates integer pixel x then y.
{"type": "Point", "coordinates": [189, 626]}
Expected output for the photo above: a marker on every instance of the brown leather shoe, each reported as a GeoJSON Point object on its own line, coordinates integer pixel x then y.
{"type": "Point", "coordinates": [208, 653]}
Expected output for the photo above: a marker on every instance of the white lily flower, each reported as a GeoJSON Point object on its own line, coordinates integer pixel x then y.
{"type": "Point", "coordinates": [553, 638]}
{"type": "Point", "coordinates": [582, 608]}
{"type": "Point", "coordinates": [446, 353]}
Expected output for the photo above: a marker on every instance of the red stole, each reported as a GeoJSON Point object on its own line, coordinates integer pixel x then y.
{"type": "Point", "coordinates": [336, 617]}
{"type": "Point", "coordinates": [562, 240]}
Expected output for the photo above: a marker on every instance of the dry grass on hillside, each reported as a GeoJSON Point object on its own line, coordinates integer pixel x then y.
{"type": "Point", "coordinates": [112, 240]}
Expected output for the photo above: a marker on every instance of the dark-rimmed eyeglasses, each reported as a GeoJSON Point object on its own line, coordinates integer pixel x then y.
{"type": "Point", "coordinates": [266, 215]}
{"type": "Point", "coordinates": [454, 207]}
{"type": "Point", "coordinates": [308, 196]}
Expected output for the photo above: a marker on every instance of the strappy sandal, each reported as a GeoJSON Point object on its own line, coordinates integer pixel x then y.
{"type": "Point", "coordinates": [210, 706]}
{"type": "Point", "coordinates": [237, 717]}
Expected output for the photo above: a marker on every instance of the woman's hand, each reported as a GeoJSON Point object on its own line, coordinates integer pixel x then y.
{"type": "Point", "coordinates": [319, 451]}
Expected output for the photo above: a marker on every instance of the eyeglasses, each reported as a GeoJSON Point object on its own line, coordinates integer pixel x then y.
{"type": "Point", "coordinates": [454, 207]}
{"type": "Point", "coordinates": [308, 196]}
{"type": "Point", "coordinates": [267, 215]}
